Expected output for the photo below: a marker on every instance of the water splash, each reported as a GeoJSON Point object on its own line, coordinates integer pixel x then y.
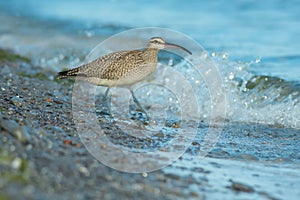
{"type": "Point", "coordinates": [256, 98]}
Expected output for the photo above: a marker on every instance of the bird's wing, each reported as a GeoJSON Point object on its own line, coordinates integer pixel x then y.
{"type": "Point", "coordinates": [94, 68]}
{"type": "Point", "coordinates": [115, 65]}
{"type": "Point", "coordinates": [110, 66]}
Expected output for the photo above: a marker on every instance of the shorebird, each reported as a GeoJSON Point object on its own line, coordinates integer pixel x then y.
{"type": "Point", "coordinates": [123, 68]}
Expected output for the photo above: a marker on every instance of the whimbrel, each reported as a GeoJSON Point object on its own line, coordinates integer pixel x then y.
{"type": "Point", "coordinates": [123, 68]}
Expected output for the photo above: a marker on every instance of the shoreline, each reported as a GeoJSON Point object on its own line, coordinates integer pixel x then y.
{"type": "Point", "coordinates": [42, 157]}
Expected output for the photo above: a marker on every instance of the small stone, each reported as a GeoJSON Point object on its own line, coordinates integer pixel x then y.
{"type": "Point", "coordinates": [67, 142]}
{"type": "Point", "coordinates": [159, 135]}
{"type": "Point", "coordinates": [247, 157]}
{"type": "Point", "coordinates": [78, 145]}
{"type": "Point", "coordinates": [5, 70]}
{"type": "Point", "coordinates": [241, 187]}
{"type": "Point", "coordinates": [218, 153]}
{"type": "Point", "coordinates": [19, 132]}
{"type": "Point", "coordinates": [57, 100]}
{"type": "Point", "coordinates": [22, 134]}
{"type": "Point", "coordinates": [196, 144]}
{"type": "Point", "coordinates": [176, 125]}
{"type": "Point", "coordinates": [4, 139]}
{"type": "Point", "coordinates": [49, 100]}
{"type": "Point", "coordinates": [144, 174]}
{"type": "Point", "coordinates": [84, 171]}
{"type": "Point", "coordinates": [16, 163]}
{"type": "Point", "coordinates": [9, 125]}
{"type": "Point", "coordinates": [173, 124]}
{"type": "Point", "coordinates": [17, 101]}
{"type": "Point", "coordinates": [282, 160]}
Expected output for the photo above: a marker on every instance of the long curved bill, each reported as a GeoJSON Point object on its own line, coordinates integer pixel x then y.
{"type": "Point", "coordinates": [177, 46]}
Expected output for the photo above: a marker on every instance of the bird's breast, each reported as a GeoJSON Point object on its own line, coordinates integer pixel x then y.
{"type": "Point", "coordinates": [137, 74]}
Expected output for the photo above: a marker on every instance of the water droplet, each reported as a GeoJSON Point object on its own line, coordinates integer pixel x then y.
{"type": "Point", "coordinates": [171, 62]}
{"type": "Point", "coordinates": [208, 71]}
{"type": "Point", "coordinates": [225, 56]}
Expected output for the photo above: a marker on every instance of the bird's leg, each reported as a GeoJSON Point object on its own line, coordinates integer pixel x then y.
{"type": "Point", "coordinates": [139, 105]}
{"type": "Point", "coordinates": [106, 93]}
{"type": "Point", "coordinates": [106, 98]}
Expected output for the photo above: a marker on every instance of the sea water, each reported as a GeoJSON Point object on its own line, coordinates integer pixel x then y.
{"type": "Point", "coordinates": [254, 44]}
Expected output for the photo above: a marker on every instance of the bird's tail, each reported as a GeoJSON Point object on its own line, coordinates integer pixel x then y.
{"type": "Point", "coordinates": [68, 73]}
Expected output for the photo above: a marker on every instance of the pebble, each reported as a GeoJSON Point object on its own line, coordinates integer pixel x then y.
{"type": "Point", "coordinates": [241, 187]}
{"type": "Point", "coordinates": [24, 134]}
{"type": "Point", "coordinates": [218, 153]}
{"type": "Point", "coordinates": [281, 160]}
{"type": "Point", "coordinates": [17, 101]}
{"type": "Point", "coordinates": [5, 70]}
{"type": "Point", "coordinates": [16, 163]}
{"type": "Point", "coordinates": [9, 125]}
{"type": "Point", "coordinates": [19, 132]}
{"type": "Point", "coordinates": [84, 171]}
{"type": "Point", "coordinates": [159, 135]}
{"type": "Point", "coordinates": [57, 100]}
{"type": "Point", "coordinates": [247, 157]}
{"type": "Point", "coordinates": [145, 174]}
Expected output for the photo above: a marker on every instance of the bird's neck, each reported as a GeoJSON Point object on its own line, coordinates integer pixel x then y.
{"type": "Point", "coordinates": [151, 50]}
{"type": "Point", "coordinates": [151, 53]}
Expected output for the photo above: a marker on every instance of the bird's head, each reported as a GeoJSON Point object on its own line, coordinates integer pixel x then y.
{"type": "Point", "coordinates": [160, 43]}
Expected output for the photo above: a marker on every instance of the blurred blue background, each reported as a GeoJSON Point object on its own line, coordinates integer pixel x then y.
{"type": "Point", "coordinates": [246, 30]}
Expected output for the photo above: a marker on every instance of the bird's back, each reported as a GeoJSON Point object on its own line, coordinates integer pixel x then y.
{"type": "Point", "coordinates": [119, 68]}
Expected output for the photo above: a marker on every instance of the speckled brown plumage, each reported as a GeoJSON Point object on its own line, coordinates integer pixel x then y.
{"type": "Point", "coordinates": [120, 68]}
